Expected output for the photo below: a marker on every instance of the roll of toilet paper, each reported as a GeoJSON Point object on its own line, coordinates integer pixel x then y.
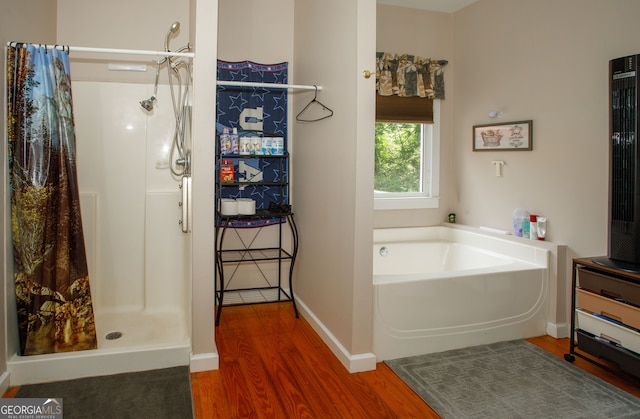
{"type": "Point", "coordinates": [246, 206]}
{"type": "Point", "coordinates": [228, 206]}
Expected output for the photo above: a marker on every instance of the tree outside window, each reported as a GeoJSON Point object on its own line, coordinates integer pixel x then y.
{"type": "Point", "coordinates": [398, 158]}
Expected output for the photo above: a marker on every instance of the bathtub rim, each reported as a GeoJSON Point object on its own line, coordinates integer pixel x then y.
{"type": "Point", "coordinates": [526, 250]}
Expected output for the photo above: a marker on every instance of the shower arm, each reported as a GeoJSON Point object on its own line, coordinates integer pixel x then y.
{"type": "Point", "coordinates": [180, 50]}
{"type": "Point", "coordinates": [155, 84]}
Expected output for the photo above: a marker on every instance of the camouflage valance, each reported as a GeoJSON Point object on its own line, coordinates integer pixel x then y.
{"type": "Point", "coordinates": [409, 75]}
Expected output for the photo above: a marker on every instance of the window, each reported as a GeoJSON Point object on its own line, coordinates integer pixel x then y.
{"type": "Point", "coordinates": [407, 163]}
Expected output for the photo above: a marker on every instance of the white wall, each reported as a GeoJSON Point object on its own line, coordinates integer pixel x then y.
{"type": "Point", "coordinates": [333, 167]}
{"type": "Point", "coordinates": [204, 17]}
{"type": "Point", "coordinates": [140, 24]}
{"type": "Point", "coordinates": [551, 66]}
{"type": "Point", "coordinates": [256, 30]}
{"type": "Point", "coordinates": [544, 60]}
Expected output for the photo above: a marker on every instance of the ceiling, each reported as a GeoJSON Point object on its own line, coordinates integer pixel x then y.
{"type": "Point", "coordinates": [448, 6]}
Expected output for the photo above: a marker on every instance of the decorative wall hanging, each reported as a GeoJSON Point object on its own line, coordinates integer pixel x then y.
{"type": "Point", "coordinates": [509, 136]}
{"type": "Point", "coordinates": [257, 112]}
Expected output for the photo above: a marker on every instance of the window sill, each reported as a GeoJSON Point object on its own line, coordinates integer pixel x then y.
{"type": "Point", "coordinates": [405, 203]}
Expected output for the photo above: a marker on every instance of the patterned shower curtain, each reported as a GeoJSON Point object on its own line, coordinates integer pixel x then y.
{"type": "Point", "coordinates": [55, 312]}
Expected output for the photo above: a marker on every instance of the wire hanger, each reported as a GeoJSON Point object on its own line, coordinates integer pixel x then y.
{"type": "Point", "coordinates": [317, 102]}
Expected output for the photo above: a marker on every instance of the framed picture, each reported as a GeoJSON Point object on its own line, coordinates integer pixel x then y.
{"type": "Point", "coordinates": [510, 136]}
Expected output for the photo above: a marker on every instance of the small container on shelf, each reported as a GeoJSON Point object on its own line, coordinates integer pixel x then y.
{"type": "Point", "coordinates": [255, 146]}
{"type": "Point", "coordinates": [245, 146]}
{"type": "Point", "coordinates": [225, 141]}
{"type": "Point", "coordinates": [278, 146]}
{"type": "Point", "coordinates": [267, 146]}
{"type": "Point", "coordinates": [227, 174]}
{"type": "Point", "coordinates": [234, 140]}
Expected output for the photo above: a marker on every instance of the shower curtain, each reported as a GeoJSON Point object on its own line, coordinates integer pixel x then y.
{"type": "Point", "coordinates": [53, 298]}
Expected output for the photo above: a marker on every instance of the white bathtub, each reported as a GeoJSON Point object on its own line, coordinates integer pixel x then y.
{"type": "Point", "coordinates": [440, 288]}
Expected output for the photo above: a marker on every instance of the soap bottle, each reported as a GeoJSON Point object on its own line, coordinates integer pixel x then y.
{"type": "Point", "coordinates": [233, 139]}
{"type": "Point", "coordinates": [225, 142]}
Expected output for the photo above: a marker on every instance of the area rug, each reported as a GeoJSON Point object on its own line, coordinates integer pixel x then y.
{"type": "Point", "coordinates": [514, 379]}
{"type": "Point", "coordinates": [162, 393]}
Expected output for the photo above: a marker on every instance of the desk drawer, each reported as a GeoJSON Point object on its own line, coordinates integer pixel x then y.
{"type": "Point", "coordinates": [595, 303]}
{"type": "Point", "coordinates": [625, 337]}
{"type": "Point", "coordinates": [608, 286]}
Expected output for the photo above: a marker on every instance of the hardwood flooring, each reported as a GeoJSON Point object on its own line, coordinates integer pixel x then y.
{"type": "Point", "coordinates": [273, 365]}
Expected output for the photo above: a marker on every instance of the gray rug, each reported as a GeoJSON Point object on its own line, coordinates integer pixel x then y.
{"type": "Point", "coordinates": [156, 394]}
{"type": "Point", "coordinates": [513, 379]}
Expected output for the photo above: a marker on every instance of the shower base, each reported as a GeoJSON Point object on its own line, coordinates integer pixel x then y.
{"type": "Point", "coordinates": [150, 340]}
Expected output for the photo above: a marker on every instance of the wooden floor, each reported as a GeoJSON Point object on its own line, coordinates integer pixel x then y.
{"type": "Point", "coordinates": [275, 366]}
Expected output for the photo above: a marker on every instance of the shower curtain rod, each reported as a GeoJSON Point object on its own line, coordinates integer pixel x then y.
{"type": "Point", "coordinates": [268, 85]}
{"type": "Point", "coordinates": [116, 50]}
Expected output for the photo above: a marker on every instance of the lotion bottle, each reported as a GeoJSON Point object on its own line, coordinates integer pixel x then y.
{"type": "Point", "coordinates": [542, 228]}
{"type": "Point", "coordinates": [533, 224]}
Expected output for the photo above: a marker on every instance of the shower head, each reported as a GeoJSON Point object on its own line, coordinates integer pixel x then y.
{"type": "Point", "coordinates": [175, 27]}
{"type": "Point", "coordinates": [148, 103]}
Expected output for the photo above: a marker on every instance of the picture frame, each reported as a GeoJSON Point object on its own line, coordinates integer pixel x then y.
{"type": "Point", "coordinates": [508, 136]}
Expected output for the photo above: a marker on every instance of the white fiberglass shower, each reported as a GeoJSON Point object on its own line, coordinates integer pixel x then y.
{"type": "Point", "coordinates": [138, 252]}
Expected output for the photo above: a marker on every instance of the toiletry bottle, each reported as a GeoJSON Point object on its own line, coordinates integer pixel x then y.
{"type": "Point", "coordinates": [533, 231]}
{"type": "Point", "coordinates": [225, 142]}
{"type": "Point", "coordinates": [519, 215]}
{"type": "Point", "coordinates": [233, 139]}
{"type": "Point", "coordinates": [526, 228]}
{"type": "Point", "coordinates": [542, 228]}
{"type": "Point", "coordinates": [245, 146]}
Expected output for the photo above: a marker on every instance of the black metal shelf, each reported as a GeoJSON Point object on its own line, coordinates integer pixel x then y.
{"type": "Point", "coordinates": [253, 156]}
{"type": "Point", "coordinates": [254, 255]}
{"type": "Point", "coordinates": [249, 183]}
{"type": "Point", "coordinates": [229, 260]}
{"type": "Point", "coordinates": [260, 214]}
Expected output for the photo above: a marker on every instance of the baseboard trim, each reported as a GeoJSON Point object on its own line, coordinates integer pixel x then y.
{"type": "Point", "coordinates": [558, 330]}
{"type": "Point", "coordinates": [353, 363]}
{"type": "Point", "coordinates": [4, 382]}
{"type": "Point", "coordinates": [204, 362]}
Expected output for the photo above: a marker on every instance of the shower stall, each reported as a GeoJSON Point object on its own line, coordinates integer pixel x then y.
{"type": "Point", "coordinates": [134, 178]}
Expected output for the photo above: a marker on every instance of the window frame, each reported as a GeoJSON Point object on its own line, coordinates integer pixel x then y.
{"type": "Point", "coordinates": [427, 198]}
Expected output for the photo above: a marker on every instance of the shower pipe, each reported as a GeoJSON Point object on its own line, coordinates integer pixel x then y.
{"type": "Point", "coordinates": [115, 50]}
